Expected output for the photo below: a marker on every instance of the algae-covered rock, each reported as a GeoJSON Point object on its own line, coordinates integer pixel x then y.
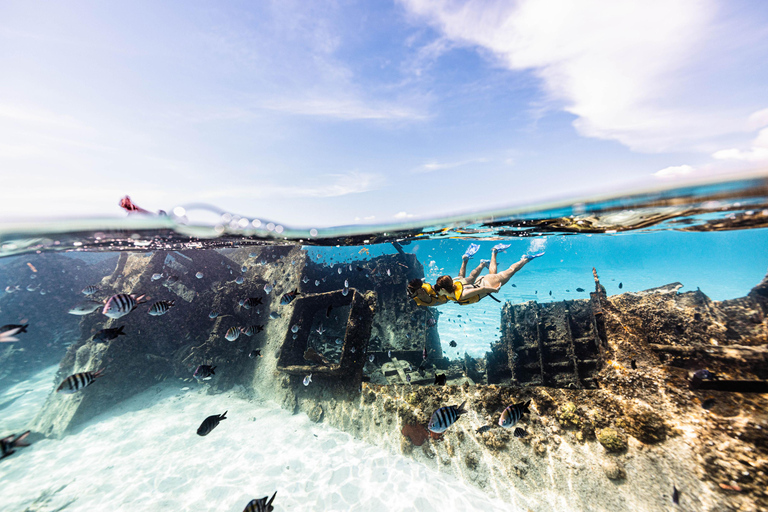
{"type": "Point", "coordinates": [612, 440]}
{"type": "Point", "coordinates": [645, 425]}
{"type": "Point", "coordinates": [567, 416]}
{"type": "Point", "coordinates": [315, 413]}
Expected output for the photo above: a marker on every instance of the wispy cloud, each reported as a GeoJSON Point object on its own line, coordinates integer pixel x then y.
{"type": "Point", "coordinates": [440, 166]}
{"type": "Point", "coordinates": [622, 68]}
{"type": "Point", "coordinates": [333, 185]}
{"type": "Point", "coordinates": [350, 108]}
{"type": "Point", "coordinates": [403, 215]}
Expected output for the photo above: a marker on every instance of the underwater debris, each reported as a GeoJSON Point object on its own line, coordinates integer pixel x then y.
{"type": "Point", "coordinates": [314, 356]}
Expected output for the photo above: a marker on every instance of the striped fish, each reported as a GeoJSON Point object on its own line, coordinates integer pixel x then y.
{"type": "Point", "coordinates": [161, 307]}
{"type": "Point", "coordinates": [483, 429]}
{"type": "Point", "coordinates": [261, 505]}
{"type": "Point", "coordinates": [513, 413]}
{"type": "Point", "coordinates": [444, 417]}
{"type": "Point", "coordinates": [250, 330]}
{"type": "Point", "coordinates": [519, 432]}
{"type": "Point", "coordinates": [90, 290]}
{"type": "Point", "coordinates": [78, 381]}
{"type": "Point", "coordinates": [251, 302]}
{"type": "Point", "coordinates": [288, 297]}
{"type": "Point", "coordinates": [210, 423]}
{"type": "Point", "coordinates": [121, 304]}
{"type": "Point", "coordinates": [232, 333]}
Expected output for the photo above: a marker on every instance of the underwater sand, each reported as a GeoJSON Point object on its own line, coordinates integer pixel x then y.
{"type": "Point", "coordinates": [145, 455]}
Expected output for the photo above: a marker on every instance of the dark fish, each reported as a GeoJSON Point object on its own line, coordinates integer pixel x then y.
{"type": "Point", "coordinates": [7, 444]}
{"type": "Point", "coordinates": [633, 364]}
{"type": "Point", "coordinates": [78, 381]}
{"type": "Point", "coordinates": [675, 495]}
{"type": "Point", "coordinates": [210, 423]}
{"type": "Point", "coordinates": [444, 417]}
{"type": "Point", "coordinates": [90, 290]}
{"type": "Point", "coordinates": [484, 428]}
{"type": "Point", "coordinates": [106, 335]}
{"type": "Point", "coordinates": [550, 292]}
{"type": "Point", "coordinates": [10, 327]}
{"type": "Point", "coordinates": [288, 297]}
{"type": "Point", "coordinates": [513, 413]}
{"type": "Point", "coordinates": [440, 380]}
{"type": "Point", "coordinates": [621, 285]}
{"type": "Point", "coordinates": [708, 403]}
{"type": "Point", "coordinates": [172, 279]}
{"type": "Point", "coordinates": [536, 292]}
{"type": "Point", "coordinates": [519, 432]}
{"type": "Point", "coordinates": [452, 343]}
{"type": "Point", "coordinates": [514, 285]}
{"type": "Point", "coordinates": [569, 291]}
{"type": "Point", "coordinates": [161, 307]}
{"type": "Point", "coordinates": [121, 304]}
{"type": "Point", "coordinates": [579, 289]}
{"type": "Point", "coordinates": [204, 372]}
{"type": "Point", "coordinates": [251, 302]}
{"type": "Point", "coordinates": [328, 311]}
{"type": "Point", "coordinates": [360, 269]}
{"type": "Point", "coordinates": [9, 336]}
{"type": "Point", "coordinates": [254, 353]}
{"type": "Point", "coordinates": [261, 505]}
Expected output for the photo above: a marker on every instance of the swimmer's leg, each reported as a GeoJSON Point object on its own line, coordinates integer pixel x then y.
{"type": "Point", "coordinates": [502, 278]}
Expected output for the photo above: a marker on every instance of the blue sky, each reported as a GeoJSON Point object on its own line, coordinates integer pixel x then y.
{"type": "Point", "coordinates": [328, 113]}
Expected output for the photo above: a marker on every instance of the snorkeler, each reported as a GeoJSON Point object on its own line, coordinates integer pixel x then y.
{"type": "Point", "coordinates": [467, 291]}
{"type": "Point", "coordinates": [425, 295]}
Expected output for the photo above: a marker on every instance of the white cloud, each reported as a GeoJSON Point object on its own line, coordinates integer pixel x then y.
{"type": "Point", "coordinates": [625, 69]}
{"type": "Point", "coordinates": [345, 108]}
{"type": "Point", "coordinates": [403, 215]}
{"type": "Point", "coordinates": [334, 185]}
{"type": "Point", "coordinates": [757, 153]}
{"type": "Point", "coordinates": [436, 166]}
{"type": "Point", "coordinates": [674, 171]}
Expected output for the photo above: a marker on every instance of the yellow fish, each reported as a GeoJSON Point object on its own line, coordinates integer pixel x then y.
{"type": "Point", "coordinates": [363, 250]}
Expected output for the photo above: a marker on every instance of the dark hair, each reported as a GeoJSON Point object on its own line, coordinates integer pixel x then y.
{"type": "Point", "coordinates": [444, 283]}
{"type": "Point", "coordinates": [414, 285]}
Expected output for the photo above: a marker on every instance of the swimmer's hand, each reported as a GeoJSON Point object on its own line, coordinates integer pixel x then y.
{"type": "Point", "coordinates": [529, 257]}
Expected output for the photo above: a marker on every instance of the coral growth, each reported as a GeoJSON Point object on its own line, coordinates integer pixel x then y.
{"type": "Point", "coordinates": [612, 440]}
{"type": "Point", "coordinates": [416, 433]}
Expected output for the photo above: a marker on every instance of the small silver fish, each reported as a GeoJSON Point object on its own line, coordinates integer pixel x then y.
{"type": "Point", "coordinates": [268, 288]}
{"type": "Point", "coordinates": [320, 330]}
{"type": "Point", "coordinates": [307, 379]}
{"type": "Point", "coordinates": [155, 277]}
{"type": "Point", "coordinates": [371, 358]}
{"type": "Point", "coordinates": [305, 280]}
{"type": "Point", "coordinates": [317, 283]}
{"type": "Point", "coordinates": [199, 275]}
{"type": "Point", "coordinates": [239, 280]}
{"type": "Point", "coordinates": [232, 333]}
{"type": "Point", "coordinates": [295, 329]}
{"type": "Point", "coordinates": [274, 315]}
{"type": "Point", "coordinates": [389, 354]}
{"type": "Point", "coordinates": [213, 314]}
{"type": "Point", "coordinates": [85, 308]}
{"type": "Point", "coordinates": [243, 269]}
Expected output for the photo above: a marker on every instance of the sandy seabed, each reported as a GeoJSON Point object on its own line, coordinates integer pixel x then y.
{"type": "Point", "coordinates": [145, 455]}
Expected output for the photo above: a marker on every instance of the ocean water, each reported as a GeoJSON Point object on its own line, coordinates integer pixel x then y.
{"type": "Point", "coordinates": [335, 441]}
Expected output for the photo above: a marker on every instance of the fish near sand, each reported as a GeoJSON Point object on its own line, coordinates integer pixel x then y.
{"type": "Point", "coordinates": [85, 308]}
{"type": "Point", "coordinates": [161, 307]}
{"type": "Point", "coordinates": [307, 379]}
{"type": "Point", "coordinates": [204, 372]}
{"type": "Point", "coordinates": [121, 304]}
{"type": "Point", "coordinates": [78, 381]}
{"type": "Point", "coordinates": [210, 423]}
{"type": "Point", "coordinates": [444, 417]}
{"type": "Point", "coordinates": [261, 505]}
{"type": "Point", "coordinates": [675, 495]}
{"type": "Point", "coordinates": [579, 289]}
{"type": "Point", "coordinates": [7, 444]}
{"type": "Point", "coordinates": [440, 380]}
{"type": "Point", "coordinates": [288, 297]}
{"type": "Point", "coordinates": [251, 329]}
{"type": "Point", "coordinates": [254, 353]}
{"type": "Point", "coordinates": [483, 429]}
{"type": "Point", "coordinates": [106, 335]}
{"type": "Point", "coordinates": [232, 333]}
{"type": "Point", "coordinates": [519, 432]}
{"type": "Point", "coordinates": [513, 413]}
{"type": "Point", "coordinates": [251, 302]}
{"type": "Point", "coordinates": [90, 290]}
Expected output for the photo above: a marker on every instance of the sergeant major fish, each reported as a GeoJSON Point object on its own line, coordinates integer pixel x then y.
{"type": "Point", "coordinates": [251, 329]}
{"type": "Point", "coordinates": [261, 505]}
{"type": "Point", "coordinates": [232, 333]}
{"type": "Point", "coordinates": [288, 297]}
{"type": "Point", "coordinates": [121, 304]}
{"type": "Point", "coordinates": [78, 381]}
{"type": "Point", "coordinates": [513, 413]}
{"type": "Point", "coordinates": [210, 423]}
{"type": "Point", "coordinates": [251, 302]}
{"type": "Point", "coordinates": [161, 307]}
{"type": "Point", "coordinates": [519, 432]}
{"type": "Point", "coordinates": [444, 417]}
{"type": "Point", "coordinates": [90, 290]}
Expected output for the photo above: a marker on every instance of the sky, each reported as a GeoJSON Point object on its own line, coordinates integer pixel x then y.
{"type": "Point", "coordinates": [345, 112]}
